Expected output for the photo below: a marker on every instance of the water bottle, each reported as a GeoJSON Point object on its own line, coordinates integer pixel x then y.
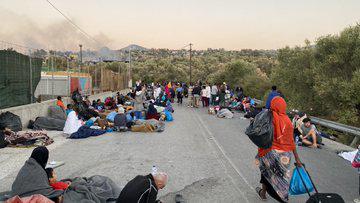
{"type": "Point", "coordinates": [154, 170]}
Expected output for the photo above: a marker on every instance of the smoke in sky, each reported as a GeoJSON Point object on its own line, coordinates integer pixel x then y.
{"type": "Point", "coordinates": [57, 36]}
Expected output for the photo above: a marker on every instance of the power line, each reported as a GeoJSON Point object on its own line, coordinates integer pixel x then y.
{"type": "Point", "coordinates": [73, 24]}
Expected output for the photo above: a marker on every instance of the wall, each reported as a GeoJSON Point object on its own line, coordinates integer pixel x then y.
{"type": "Point", "coordinates": [31, 111]}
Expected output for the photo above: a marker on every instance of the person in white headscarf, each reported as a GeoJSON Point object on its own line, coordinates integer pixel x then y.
{"type": "Point", "coordinates": [72, 124]}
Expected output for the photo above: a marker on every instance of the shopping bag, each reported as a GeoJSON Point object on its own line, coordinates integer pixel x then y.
{"type": "Point", "coordinates": [300, 182]}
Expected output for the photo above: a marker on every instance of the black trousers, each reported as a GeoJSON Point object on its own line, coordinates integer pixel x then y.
{"type": "Point", "coordinates": [179, 100]}
{"type": "Point", "coordinates": [270, 190]}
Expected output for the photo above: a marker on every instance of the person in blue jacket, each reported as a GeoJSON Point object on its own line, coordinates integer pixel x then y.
{"type": "Point", "coordinates": [272, 94]}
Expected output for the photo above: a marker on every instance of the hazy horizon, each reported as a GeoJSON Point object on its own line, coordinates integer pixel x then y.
{"type": "Point", "coordinates": [229, 24]}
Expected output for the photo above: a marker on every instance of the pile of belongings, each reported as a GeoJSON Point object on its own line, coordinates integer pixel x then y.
{"type": "Point", "coordinates": [225, 113]}
{"type": "Point", "coordinates": [55, 120]}
{"type": "Point", "coordinates": [10, 121]}
{"type": "Point", "coordinates": [27, 138]}
{"type": "Point", "coordinates": [151, 125]}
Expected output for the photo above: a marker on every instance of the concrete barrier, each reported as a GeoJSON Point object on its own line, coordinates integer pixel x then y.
{"type": "Point", "coordinates": [31, 111]}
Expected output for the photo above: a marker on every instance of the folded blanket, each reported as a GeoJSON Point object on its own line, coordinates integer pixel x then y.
{"type": "Point", "coordinates": [97, 189]}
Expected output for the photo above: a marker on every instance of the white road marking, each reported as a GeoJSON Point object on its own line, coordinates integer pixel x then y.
{"type": "Point", "coordinates": [202, 124]}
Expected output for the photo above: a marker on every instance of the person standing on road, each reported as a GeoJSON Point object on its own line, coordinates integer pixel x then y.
{"type": "Point", "coordinates": [208, 94]}
{"type": "Point", "coordinates": [180, 94]}
{"type": "Point", "coordinates": [203, 96]}
{"type": "Point", "coordinates": [214, 94]}
{"type": "Point", "coordinates": [271, 95]}
{"type": "Point", "coordinates": [274, 163]}
{"type": "Point", "coordinates": [196, 93]}
{"type": "Point", "coordinates": [190, 96]}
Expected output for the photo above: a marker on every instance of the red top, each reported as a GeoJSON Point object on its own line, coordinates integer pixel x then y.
{"type": "Point", "coordinates": [61, 104]}
{"type": "Point", "coordinates": [59, 186]}
{"type": "Point", "coordinates": [283, 128]}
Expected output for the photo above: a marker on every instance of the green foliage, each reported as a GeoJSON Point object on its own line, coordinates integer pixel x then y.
{"type": "Point", "coordinates": [325, 79]}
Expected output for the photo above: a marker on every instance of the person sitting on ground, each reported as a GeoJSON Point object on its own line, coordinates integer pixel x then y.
{"type": "Point", "coordinates": [110, 117]}
{"type": "Point", "coordinates": [60, 103]}
{"type": "Point", "coordinates": [297, 121]}
{"type": "Point", "coordinates": [309, 134]}
{"type": "Point", "coordinates": [143, 189]}
{"type": "Point", "coordinates": [57, 185]}
{"type": "Point", "coordinates": [100, 106]}
{"type": "Point", "coordinates": [169, 107]}
{"type": "Point", "coordinates": [72, 123]}
{"type": "Point", "coordinates": [32, 178]}
{"type": "Point", "coordinates": [152, 112]}
{"type": "Point", "coordinates": [130, 119]}
{"type": "Point", "coordinates": [69, 108]}
{"type": "Point", "coordinates": [120, 120]}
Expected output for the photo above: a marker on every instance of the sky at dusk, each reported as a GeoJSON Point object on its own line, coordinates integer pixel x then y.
{"type": "Point", "coordinates": [229, 24]}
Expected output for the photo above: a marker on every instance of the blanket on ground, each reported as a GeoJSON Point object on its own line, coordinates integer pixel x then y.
{"type": "Point", "coordinates": [30, 199]}
{"type": "Point", "coordinates": [150, 125]}
{"type": "Point", "coordinates": [32, 179]}
{"type": "Point", "coordinates": [47, 123]}
{"type": "Point", "coordinates": [28, 138]}
{"type": "Point", "coordinates": [97, 189]}
{"type": "Point", "coordinates": [85, 132]}
{"type": "Point", "coordinates": [225, 113]}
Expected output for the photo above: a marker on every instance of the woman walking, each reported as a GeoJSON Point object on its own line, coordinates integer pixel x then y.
{"type": "Point", "coordinates": [274, 163]}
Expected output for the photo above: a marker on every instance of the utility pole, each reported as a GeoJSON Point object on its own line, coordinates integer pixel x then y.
{"type": "Point", "coordinates": [129, 78]}
{"type": "Point", "coordinates": [80, 45]}
{"type": "Point", "coordinates": [52, 76]}
{"type": "Point", "coordinates": [31, 78]}
{"type": "Point", "coordinates": [190, 63]}
{"type": "Point", "coordinates": [68, 75]}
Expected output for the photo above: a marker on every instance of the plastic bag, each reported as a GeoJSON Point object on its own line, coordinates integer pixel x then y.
{"type": "Point", "coordinates": [297, 185]}
{"type": "Point", "coordinates": [356, 162]}
{"type": "Point", "coordinates": [261, 130]}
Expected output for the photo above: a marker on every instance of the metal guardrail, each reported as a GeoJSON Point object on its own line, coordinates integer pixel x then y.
{"type": "Point", "coordinates": [346, 129]}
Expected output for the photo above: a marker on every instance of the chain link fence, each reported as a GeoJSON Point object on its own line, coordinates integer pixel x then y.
{"type": "Point", "coordinates": [31, 75]}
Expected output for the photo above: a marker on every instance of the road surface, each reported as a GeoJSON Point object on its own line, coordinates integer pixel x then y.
{"type": "Point", "coordinates": [208, 159]}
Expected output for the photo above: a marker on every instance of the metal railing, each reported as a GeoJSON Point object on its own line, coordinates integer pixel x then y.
{"type": "Point", "coordinates": [346, 129]}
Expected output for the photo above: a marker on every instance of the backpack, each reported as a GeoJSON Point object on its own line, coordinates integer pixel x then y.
{"type": "Point", "coordinates": [261, 130]}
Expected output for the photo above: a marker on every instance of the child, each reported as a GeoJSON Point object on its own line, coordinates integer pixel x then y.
{"type": "Point", "coordinates": [53, 180]}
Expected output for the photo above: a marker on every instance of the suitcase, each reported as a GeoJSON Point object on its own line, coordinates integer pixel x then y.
{"type": "Point", "coordinates": [320, 197]}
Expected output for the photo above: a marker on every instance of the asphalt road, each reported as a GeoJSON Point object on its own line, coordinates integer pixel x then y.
{"type": "Point", "coordinates": [208, 159]}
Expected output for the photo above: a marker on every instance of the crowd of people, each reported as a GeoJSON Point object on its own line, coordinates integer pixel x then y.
{"type": "Point", "coordinates": [141, 110]}
{"type": "Point", "coordinates": [154, 102]}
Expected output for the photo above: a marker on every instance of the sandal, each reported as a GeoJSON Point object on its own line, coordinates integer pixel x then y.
{"type": "Point", "coordinates": [258, 190]}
